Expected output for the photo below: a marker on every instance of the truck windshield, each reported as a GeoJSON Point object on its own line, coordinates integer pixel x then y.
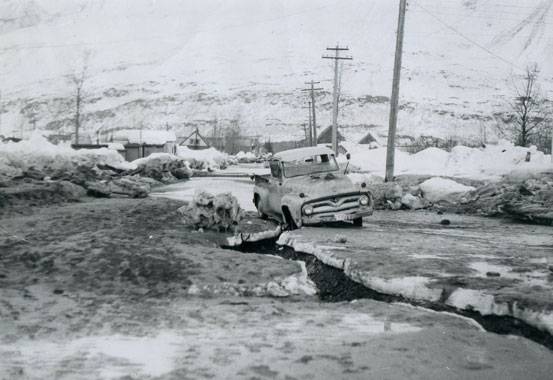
{"type": "Point", "coordinates": [310, 165]}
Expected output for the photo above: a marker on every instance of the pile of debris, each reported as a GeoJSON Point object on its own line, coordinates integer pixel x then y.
{"type": "Point", "coordinates": [526, 199]}
{"type": "Point", "coordinates": [219, 212]}
{"type": "Point", "coordinates": [36, 165]}
{"type": "Point", "coordinates": [163, 167]}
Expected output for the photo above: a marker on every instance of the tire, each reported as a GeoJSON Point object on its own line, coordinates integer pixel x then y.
{"type": "Point", "coordinates": [259, 212]}
{"type": "Point", "coordinates": [358, 222]}
{"type": "Point", "coordinates": [291, 225]}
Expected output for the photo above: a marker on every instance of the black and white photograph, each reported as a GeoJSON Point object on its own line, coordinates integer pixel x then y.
{"type": "Point", "coordinates": [276, 189]}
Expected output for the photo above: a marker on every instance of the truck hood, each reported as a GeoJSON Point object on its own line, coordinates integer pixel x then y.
{"type": "Point", "coordinates": [320, 185]}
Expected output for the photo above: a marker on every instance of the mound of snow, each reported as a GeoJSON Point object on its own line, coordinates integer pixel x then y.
{"type": "Point", "coordinates": [442, 189]}
{"type": "Point", "coordinates": [245, 156]}
{"type": "Point", "coordinates": [204, 159]}
{"type": "Point", "coordinates": [490, 162]}
{"type": "Point", "coordinates": [38, 153]}
{"type": "Point", "coordinates": [156, 159]}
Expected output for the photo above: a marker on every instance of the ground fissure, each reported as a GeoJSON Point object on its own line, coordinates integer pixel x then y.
{"type": "Point", "coordinates": [334, 286]}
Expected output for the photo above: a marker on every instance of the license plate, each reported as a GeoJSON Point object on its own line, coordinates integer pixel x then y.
{"type": "Point", "coordinates": [341, 217]}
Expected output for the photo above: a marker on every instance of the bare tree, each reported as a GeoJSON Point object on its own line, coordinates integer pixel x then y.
{"type": "Point", "coordinates": [232, 137]}
{"type": "Point", "coordinates": [529, 112]}
{"type": "Point", "coordinates": [78, 79]}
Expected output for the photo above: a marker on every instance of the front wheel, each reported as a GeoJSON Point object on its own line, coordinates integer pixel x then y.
{"type": "Point", "coordinates": [358, 222]}
{"type": "Point", "coordinates": [288, 220]}
{"type": "Point", "coordinates": [259, 212]}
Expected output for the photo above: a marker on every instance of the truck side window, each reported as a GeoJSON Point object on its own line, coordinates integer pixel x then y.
{"type": "Point", "coordinates": [275, 169]}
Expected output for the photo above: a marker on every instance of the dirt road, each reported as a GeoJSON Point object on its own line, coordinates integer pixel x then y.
{"type": "Point", "coordinates": [120, 288]}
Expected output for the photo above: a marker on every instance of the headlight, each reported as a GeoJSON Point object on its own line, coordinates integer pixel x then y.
{"type": "Point", "coordinates": [308, 210]}
{"type": "Point", "coordinates": [364, 200]}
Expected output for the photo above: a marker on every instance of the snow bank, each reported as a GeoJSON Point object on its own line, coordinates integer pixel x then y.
{"type": "Point", "coordinates": [442, 189]}
{"type": "Point", "coordinates": [204, 159]}
{"type": "Point", "coordinates": [40, 154]}
{"type": "Point", "coordinates": [478, 163]}
{"type": "Point", "coordinates": [246, 157]}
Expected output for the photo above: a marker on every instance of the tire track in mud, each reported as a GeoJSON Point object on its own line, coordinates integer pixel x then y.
{"type": "Point", "coordinates": [334, 286]}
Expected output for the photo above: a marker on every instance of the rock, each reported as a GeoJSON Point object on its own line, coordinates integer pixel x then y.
{"type": "Point", "coordinates": [439, 189]}
{"type": "Point", "coordinates": [133, 187]}
{"type": "Point", "coordinates": [524, 190]}
{"type": "Point", "coordinates": [163, 167]}
{"type": "Point", "coordinates": [98, 189]}
{"type": "Point", "coordinates": [34, 174]}
{"type": "Point", "coordinates": [70, 191]}
{"type": "Point", "coordinates": [412, 202]}
{"type": "Point", "coordinates": [394, 193]}
{"type": "Point", "coordinates": [396, 205]}
{"type": "Point", "coordinates": [182, 173]}
{"type": "Point", "coordinates": [493, 274]}
{"type": "Point", "coordinates": [218, 212]}
{"type": "Point", "coordinates": [415, 191]}
{"type": "Point", "coordinates": [445, 222]}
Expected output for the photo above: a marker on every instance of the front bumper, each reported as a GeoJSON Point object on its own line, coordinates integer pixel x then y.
{"type": "Point", "coordinates": [348, 215]}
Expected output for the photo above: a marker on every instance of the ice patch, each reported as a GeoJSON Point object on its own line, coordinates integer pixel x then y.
{"type": "Point", "coordinates": [413, 287]}
{"type": "Point", "coordinates": [477, 300]}
{"type": "Point", "coordinates": [137, 356]}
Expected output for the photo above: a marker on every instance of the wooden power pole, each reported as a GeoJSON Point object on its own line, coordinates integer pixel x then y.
{"type": "Point", "coordinates": [395, 94]}
{"type": "Point", "coordinates": [336, 57]}
{"type": "Point", "coordinates": [312, 90]}
{"type": "Point", "coordinates": [309, 134]}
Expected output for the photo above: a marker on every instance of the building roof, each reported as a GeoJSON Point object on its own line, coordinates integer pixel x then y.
{"type": "Point", "coordinates": [325, 136]}
{"type": "Point", "coordinates": [301, 153]}
{"type": "Point", "coordinates": [195, 139]}
{"type": "Point", "coordinates": [144, 136]}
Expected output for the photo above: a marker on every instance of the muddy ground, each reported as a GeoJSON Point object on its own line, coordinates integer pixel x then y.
{"type": "Point", "coordinates": [120, 288]}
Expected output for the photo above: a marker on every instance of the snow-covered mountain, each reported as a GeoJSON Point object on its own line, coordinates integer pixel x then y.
{"type": "Point", "coordinates": [154, 63]}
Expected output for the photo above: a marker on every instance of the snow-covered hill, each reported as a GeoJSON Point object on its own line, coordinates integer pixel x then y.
{"type": "Point", "coordinates": [154, 63]}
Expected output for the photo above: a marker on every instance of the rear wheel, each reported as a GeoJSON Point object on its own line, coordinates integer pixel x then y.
{"type": "Point", "coordinates": [358, 222]}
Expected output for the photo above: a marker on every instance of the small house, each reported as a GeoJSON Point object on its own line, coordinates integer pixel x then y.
{"type": "Point", "coordinates": [141, 143]}
{"type": "Point", "coordinates": [325, 136]}
{"type": "Point", "coordinates": [195, 141]}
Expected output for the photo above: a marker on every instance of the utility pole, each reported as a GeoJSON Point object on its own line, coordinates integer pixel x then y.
{"type": "Point", "coordinates": [310, 130]}
{"type": "Point", "coordinates": [312, 90]}
{"type": "Point", "coordinates": [336, 57]}
{"type": "Point", "coordinates": [395, 94]}
{"type": "Point", "coordinates": [305, 131]}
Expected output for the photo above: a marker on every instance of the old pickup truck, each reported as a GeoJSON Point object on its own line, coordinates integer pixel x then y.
{"type": "Point", "coordinates": [306, 186]}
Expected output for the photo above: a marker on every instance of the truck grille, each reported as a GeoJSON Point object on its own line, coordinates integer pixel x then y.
{"type": "Point", "coordinates": [338, 203]}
